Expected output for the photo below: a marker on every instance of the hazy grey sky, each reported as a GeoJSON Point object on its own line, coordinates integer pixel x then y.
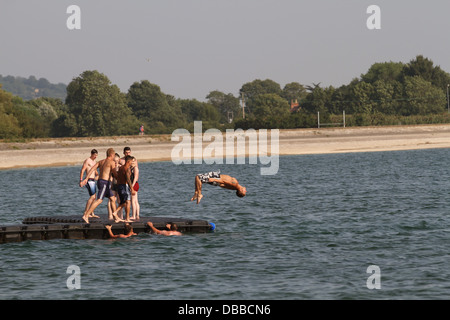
{"type": "Point", "coordinates": [196, 46]}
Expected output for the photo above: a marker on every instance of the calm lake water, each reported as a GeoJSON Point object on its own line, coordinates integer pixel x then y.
{"type": "Point", "coordinates": [309, 232]}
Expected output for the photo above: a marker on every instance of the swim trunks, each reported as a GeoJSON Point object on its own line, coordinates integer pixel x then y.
{"type": "Point", "coordinates": [92, 187]}
{"type": "Point", "coordinates": [114, 186]}
{"type": "Point", "coordinates": [204, 177]}
{"type": "Point", "coordinates": [124, 193]}
{"type": "Point", "coordinates": [104, 189]}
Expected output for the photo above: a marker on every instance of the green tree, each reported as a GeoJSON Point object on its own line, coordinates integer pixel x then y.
{"type": "Point", "coordinates": [251, 90]}
{"type": "Point", "coordinates": [420, 66]}
{"type": "Point", "coordinates": [225, 103]}
{"type": "Point", "coordinates": [195, 110]}
{"type": "Point", "coordinates": [32, 88]}
{"type": "Point", "coordinates": [99, 108]}
{"type": "Point", "coordinates": [385, 71]}
{"type": "Point", "coordinates": [48, 108]}
{"type": "Point", "coordinates": [385, 95]}
{"type": "Point", "coordinates": [422, 97]}
{"type": "Point", "coordinates": [425, 68]}
{"type": "Point", "coordinates": [362, 95]}
{"type": "Point", "coordinates": [319, 100]}
{"type": "Point", "coordinates": [294, 91]}
{"type": "Point", "coordinates": [31, 122]}
{"type": "Point", "coordinates": [9, 126]}
{"type": "Point", "coordinates": [270, 105]}
{"type": "Point", "coordinates": [257, 87]}
{"type": "Point", "coordinates": [151, 106]}
{"type": "Point", "coordinates": [65, 125]}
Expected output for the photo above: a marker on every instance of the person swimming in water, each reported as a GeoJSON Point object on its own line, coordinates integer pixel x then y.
{"type": "Point", "coordinates": [172, 229]}
{"type": "Point", "coordinates": [128, 232]}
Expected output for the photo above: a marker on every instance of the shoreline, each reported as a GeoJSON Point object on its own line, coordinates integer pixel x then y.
{"type": "Point", "coordinates": [57, 152]}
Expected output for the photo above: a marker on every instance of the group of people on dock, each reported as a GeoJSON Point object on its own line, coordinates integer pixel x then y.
{"type": "Point", "coordinates": [115, 178]}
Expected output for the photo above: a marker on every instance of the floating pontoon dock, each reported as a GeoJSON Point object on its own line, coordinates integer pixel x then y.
{"type": "Point", "coordinates": [73, 227]}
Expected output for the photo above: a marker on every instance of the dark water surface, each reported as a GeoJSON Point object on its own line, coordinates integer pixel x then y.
{"type": "Point", "coordinates": [309, 232]}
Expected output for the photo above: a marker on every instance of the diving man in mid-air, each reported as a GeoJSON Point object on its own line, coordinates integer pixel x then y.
{"type": "Point", "coordinates": [217, 179]}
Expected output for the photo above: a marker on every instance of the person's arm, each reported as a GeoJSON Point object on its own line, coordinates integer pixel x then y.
{"type": "Point", "coordinates": [130, 184]}
{"type": "Point", "coordinates": [150, 224]}
{"type": "Point", "coordinates": [82, 183]}
{"type": "Point", "coordinates": [114, 172]}
{"type": "Point", "coordinates": [112, 235]}
{"type": "Point", "coordinates": [136, 175]}
{"type": "Point", "coordinates": [163, 232]}
{"type": "Point", "coordinates": [83, 169]}
{"type": "Point", "coordinates": [115, 236]}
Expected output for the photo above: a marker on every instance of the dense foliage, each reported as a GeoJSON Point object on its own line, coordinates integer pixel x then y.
{"type": "Point", "coordinates": [33, 88]}
{"type": "Point", "coordinates": [388, 93]}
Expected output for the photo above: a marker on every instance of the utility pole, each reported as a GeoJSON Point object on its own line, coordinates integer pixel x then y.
{"type": "Point", "coordinates": [448, 99]}
{"type": "Point", "coordinates": [243, 105]}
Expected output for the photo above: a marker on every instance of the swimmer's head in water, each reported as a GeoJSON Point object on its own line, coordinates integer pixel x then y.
{"type": "Point", "coordinates": [172, 226]}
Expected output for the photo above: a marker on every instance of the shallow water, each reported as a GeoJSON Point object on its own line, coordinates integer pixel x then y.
{"type": "Point", "coordinates": [309, 232]}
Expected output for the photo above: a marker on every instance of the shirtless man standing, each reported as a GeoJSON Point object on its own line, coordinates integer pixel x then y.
{"type": "Point", "coordinates": [113, 197]}
{"type": "Point", "coordinates": [106, 167]}
{"type": "Point", "coordinates": [217, 179]}
{"type": "Point", "coordinates": [126, 152]}
{"type": "Point", "coordinates": [91, 184]}
{"type": "Point", "coordinates": [125, 189]}
{"type": "Point", "coordinates": [136, 208]}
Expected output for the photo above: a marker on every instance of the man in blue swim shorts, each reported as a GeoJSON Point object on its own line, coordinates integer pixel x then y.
{"type": "Point", "coordinates": [104, 189]}
{"type": "Point", "coordinates": [215, 178]}
{"type": "Point", "coordinates": [125, 189]}
{"type": "Point", "coordinates": [106, 168]}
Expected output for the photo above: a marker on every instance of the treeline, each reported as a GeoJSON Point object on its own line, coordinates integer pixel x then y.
{"type": "Point", "coordinates": [389, 93]}
{"type": "Point", "coordinates": [33, 88]}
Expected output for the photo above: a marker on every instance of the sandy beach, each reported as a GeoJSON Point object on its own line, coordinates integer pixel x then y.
{"type": "Point", "coordinates": [73, 151]}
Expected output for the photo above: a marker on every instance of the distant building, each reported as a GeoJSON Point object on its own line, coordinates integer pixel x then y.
{"type": "Point", "coordinates": [295, 106]}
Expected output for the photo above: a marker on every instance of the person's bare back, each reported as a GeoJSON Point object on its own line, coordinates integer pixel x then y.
{"type": "Point", "coordinates": [217, 179]}
{"type": "Point", "coordinates": [227, 182]}
{"type": "Point", "coordinates": [106, 167]}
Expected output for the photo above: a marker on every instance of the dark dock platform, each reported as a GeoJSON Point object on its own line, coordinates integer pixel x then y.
{"type": "Point", "coordinates": [73, 227]}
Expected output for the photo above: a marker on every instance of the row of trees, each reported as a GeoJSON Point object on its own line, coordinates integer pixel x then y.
{"type": "Point", "coordinates": [388, 90]}
{"type": "Point", "coordinates": [418, 87]}
{"type": "Point", "coordinates": [32, 88]}
{"type": "Point", "coordinates": [96, 107]}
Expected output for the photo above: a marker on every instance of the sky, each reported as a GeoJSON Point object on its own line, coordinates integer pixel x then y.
{"type": "Point", "coordinates": [192, 47]}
